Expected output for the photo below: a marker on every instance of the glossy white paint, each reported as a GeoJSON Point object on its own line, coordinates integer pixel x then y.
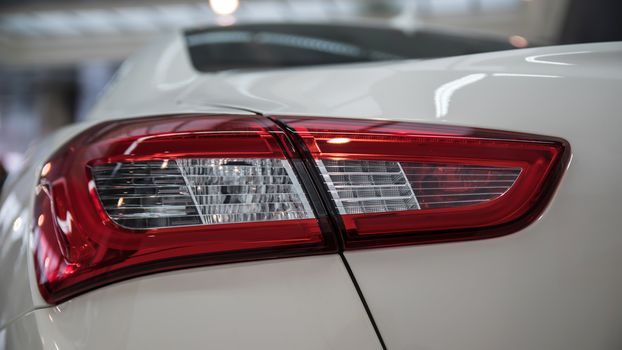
{"type": "Point", "coordinates": [554, 285]}
{"type": "Point", "coordinates": [149, 83]}
{"type": "Point", "coordinates": [303, 303]}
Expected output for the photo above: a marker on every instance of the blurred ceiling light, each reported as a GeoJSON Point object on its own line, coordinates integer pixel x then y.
{"type": "Point", "coordinates": [224, 7]}
{"type": "Point", "coordinates": [518, 41]}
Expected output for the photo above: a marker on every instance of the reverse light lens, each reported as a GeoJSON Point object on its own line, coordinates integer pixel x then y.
{"type": "Point", "coordinates": [364, 186]}
{"type": "Point", "coordinates": [397, 183]}
{"type": "Point", "coordinates": [199, 191]}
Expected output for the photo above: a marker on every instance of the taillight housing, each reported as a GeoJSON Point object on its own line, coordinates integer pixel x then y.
{"type": "Point", "coordinates": [131, 197]}
{"type": "Point", "coordinates": [394, 183]}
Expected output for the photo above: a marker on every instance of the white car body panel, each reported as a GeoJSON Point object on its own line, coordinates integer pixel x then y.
{"type": "Point", "coordinates": [554, 285]}
{"type": "Point", "coordinates": [149, 84]}
{"type": "Point", "coordinates": [303, 303]}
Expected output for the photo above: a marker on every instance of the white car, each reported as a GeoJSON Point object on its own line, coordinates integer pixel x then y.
{"type": "Point", "coordinates": [261, 188]}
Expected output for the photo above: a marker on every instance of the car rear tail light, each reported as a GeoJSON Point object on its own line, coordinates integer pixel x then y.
{"type": "Point", "coordinates": [398, 183]}
{"type": "Point", "coordinates": [131, 197]}
{"type": "Point", "coordinates": [126, 198]}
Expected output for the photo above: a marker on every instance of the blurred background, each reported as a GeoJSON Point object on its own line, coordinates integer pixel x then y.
{"type": "Point", "coordinates": [57, 56]}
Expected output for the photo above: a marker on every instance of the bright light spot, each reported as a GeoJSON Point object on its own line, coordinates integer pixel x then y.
{"type": "Point", "coordinates": [164, 164]}
{"type": "Point", "coordinates": [17, 224]}
{"type": "Point", "coordinates": [46, 169]}
{"type": "Point", "coordinates": [338, 140]}
{"type": "Point", "coordinates": [224, 7]}
{"type": "Point", "coordinates": [120, 202]}
{"type": "Point", "coordinates": [518, 41]}
{"type": "Point", "coordinates": [13, 161]}
{"type": "Point", "coordinates": [41, 220]}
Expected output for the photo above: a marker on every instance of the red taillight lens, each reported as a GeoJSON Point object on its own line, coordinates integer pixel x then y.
{"type": "Point", "coordinates": [127, 198]}
{"type": "Point", "coordinates": [394, 183]}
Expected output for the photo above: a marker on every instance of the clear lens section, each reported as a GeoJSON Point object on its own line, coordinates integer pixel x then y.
{"type": "Point", "coordinates": [363, 186]}
{"type": "Point", "coordinates": [199, 191]}
{"type": "Point", "coordinates": [366, 186]}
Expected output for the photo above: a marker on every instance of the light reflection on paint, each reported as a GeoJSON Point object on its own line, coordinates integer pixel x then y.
{"type": "Point", "coordinates": [538, 58]}
{"type": "Point", "coordinates": [17, 224]}
{"type": "Point", "coordinates": [339, 140]}
{"type": "Point", "coordinates": [443, 94]}
{"type": "Point", "coordinates": [46, 169]}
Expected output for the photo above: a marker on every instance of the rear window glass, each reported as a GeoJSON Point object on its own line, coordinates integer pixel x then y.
{"type": "Point", "coordinates": [294, 45]}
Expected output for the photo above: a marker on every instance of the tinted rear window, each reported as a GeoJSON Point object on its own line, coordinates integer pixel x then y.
{"type": "Point", "coordinates": [294, 45]}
